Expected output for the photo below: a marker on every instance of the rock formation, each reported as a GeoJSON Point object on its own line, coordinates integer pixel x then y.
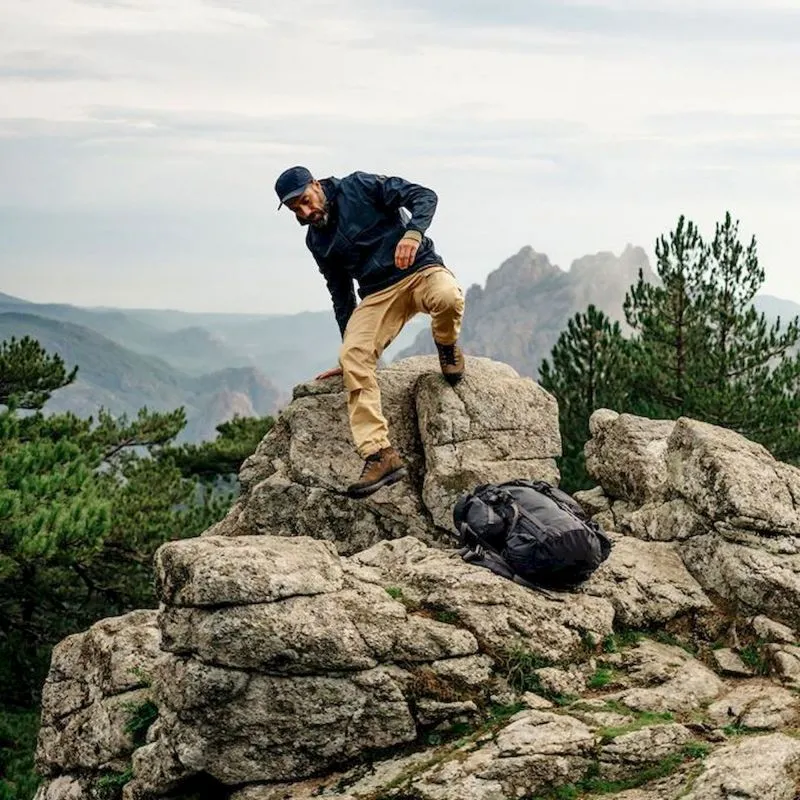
{"type": "Point", "coordinates": [312, 646]}
{"type": "Point", "coordinates": [494, 426]}
{"type": "Point", "coordinates": [729, 508]}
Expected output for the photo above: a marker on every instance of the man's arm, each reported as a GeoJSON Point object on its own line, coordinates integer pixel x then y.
{"type": "Point", "coordinates": [340, 286]}
{"type": "Point", "coordinates": [395, 193]}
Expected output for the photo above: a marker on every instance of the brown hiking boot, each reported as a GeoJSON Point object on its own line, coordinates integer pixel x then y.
{"type": "Point", "coordinates": [380, 469]}
{"type": "Point", "coordinates": [451, 360]}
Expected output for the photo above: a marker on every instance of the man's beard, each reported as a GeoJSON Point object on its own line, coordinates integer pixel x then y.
{"type": "Point", "coordinates": [315, 221]}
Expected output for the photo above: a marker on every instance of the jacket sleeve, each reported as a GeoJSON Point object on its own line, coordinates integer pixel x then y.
{"type": "Point", "coordinates": [340, 286]}
{"type": "Point", "coordinates": [396, 193]}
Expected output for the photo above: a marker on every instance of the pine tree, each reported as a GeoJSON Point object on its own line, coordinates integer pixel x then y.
{"type": "Point", "coordinates": [53, 515]}
{"type": "Point", "coordinates": [589, 371]}
{"type": "Point", "coordinates": [84, 503]}
{"type": "Point", "coordinates": [751, 373]}
{"type": "Point", "coordinates": [668, 324]}
{"type": "Point", "coordinates": [701, 350]}
{"type": "Point", "coordinates": [28, 375]}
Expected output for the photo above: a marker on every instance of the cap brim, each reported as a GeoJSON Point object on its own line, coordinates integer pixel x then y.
{"type": "Point", "coordinates": [292, 195]}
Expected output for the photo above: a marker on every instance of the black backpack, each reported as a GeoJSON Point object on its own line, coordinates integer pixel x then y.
{"type": "Point", "coordinates": [530, 532]}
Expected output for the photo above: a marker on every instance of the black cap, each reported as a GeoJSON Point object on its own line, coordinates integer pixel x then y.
{"type": "Point", "coordinates": [292, 183]}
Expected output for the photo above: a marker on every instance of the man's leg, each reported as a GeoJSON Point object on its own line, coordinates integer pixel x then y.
{"type": "Point", "coordinates": [372, 326]}
{"type": "Point", "coordinates": [439, 295]}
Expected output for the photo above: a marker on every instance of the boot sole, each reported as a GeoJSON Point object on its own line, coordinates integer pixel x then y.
{"type": "Point", "coordinates": [386, 480]}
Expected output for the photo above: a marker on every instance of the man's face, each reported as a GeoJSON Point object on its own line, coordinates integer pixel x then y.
{"type": "Point", "coordinates": [311, 207]}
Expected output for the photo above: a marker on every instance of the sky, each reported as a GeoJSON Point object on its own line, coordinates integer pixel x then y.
{"type": "Point", "coordinates": [140, 139]}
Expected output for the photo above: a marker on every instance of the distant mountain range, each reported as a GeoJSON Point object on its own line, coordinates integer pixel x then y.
{"type": "Point", "coordinates": [218, 365]}
{"type": "Point", "coordinates": [122, 381]}
{"type": "Point", "coordinates": [215, 365]}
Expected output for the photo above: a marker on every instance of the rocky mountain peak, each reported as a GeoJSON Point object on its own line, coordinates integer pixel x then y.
{"type": "Point", "coordinates": [626, 265]}
{"type": "Point", "coordinates": [521, 270]}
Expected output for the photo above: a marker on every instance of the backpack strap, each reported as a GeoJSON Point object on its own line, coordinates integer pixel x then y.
{"type": "Point", "coordinates": [476, 550]}
{"type": "Point", "coordinates": [558, 496]}
{"type": "Point", "coordinates": [535, 524]}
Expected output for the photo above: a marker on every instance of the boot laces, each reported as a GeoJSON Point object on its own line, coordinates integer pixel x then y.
{"type": "Point", "coordinates": [369, 461]}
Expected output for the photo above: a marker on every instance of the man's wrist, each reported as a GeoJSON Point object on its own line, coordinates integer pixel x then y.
{"type": "Point", "coordinates": [413, 235]}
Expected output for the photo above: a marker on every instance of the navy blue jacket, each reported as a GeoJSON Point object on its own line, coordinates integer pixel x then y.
{"type": "Point", "coordinates": [366, 222]}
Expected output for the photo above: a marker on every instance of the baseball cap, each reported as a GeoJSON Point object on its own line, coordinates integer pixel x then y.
{"type": "Point", "coordinates": [292, 183]}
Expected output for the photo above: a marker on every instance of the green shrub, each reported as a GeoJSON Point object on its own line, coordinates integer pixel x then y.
{"type": "Point", "coordinates": [141, 716]}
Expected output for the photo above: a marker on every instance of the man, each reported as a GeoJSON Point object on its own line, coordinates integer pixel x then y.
{"type": "Point", "coordinates": [358, 230]}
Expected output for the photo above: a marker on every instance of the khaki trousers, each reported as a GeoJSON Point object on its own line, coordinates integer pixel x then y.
{"type": "Point", "coordinates": [373, 326]}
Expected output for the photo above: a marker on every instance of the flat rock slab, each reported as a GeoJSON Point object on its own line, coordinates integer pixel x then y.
{"type": "Point", "coordinates": [755, 768]}
{"type": "Point", "coordinates": [757, 704]}
{"type": "Point", "coordinates": [220, 570]}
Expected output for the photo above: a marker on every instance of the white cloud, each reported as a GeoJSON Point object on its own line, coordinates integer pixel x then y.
{"type": "Point", "coordinates": [572, 130]}
{"type": "Point", "coordinates": [56, 19]}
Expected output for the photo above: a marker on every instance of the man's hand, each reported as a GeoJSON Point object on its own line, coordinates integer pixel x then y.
{"type": "Point", "coordinates": [405, 253]}
{"type": "Point", "coordinates": [330, 373]}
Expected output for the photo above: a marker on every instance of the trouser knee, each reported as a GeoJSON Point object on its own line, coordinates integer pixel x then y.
{"type": "Point", "coordinates": [448, 300]}
{"type": "Point", "coordinates": [358, 366]}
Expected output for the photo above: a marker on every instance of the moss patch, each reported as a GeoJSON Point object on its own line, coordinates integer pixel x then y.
{"type": "Point", "coordinates": [642, 719]}
{"type": "Point", "coordinates": [396, 593]}
{"type": "Point", "coordinates": [518, 665]}
{"type": "Point", "coordinates": [109, 785]}
{"type": "Point", "coordinates": [602, 677]}
{"type": "Point", "coordinates": [755, 656]}
{"type": "Point", "coordinates": [592, 783]}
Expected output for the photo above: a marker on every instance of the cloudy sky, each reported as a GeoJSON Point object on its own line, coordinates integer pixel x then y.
{"type": "Point", "coordinates": [140, 139]}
